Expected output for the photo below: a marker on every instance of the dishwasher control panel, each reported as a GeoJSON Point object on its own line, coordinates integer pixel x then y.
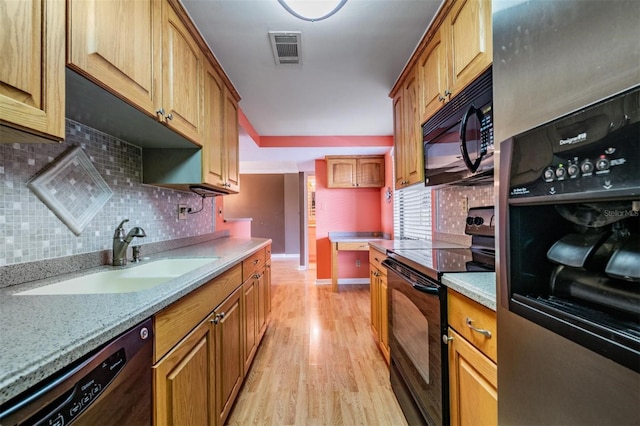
{"type": "Point", "coordinates": [65, 409]}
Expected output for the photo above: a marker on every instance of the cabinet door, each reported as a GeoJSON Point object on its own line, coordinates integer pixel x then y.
{"type": "Point", "coordinates": [116, 43]}
{"type": "Point", "coordinates": [182, 71]}
{"type": "Point", "coordinates": [32, 89]}
{"type": "Point", "coordinates": [267, 284]}
{"type": "Point", "coordinates": [213, 144]}
{"type": "Point", "coordinates": [229, 360]}
{"type": "Point", "coordinates": [470, 41]}
{"type": "Point", "coordinates": [231, 143]}
{"type": "Point", "coordinates": [413, 132]}
{"type": "Point", "coordinates": [183, 381]}
{"type": "Point", "coordinates": [370, 172]}
{"type": "Point", "coordinates": [432, 69]}
{"type": "Point", "coordinates": [375, 300]}
{"type": "Point", "coordinates": [384, 318]}
{"type": "Point", "coordinates": [250, 294]}
{"type": "Point", "coordinates": [473, 384]}
{"type": "Point", "coordinates": [401, 178]}
{"type": "Point", "coordinates": [261, 282]}
{"type": "Point", "coordinates": [341, 172]}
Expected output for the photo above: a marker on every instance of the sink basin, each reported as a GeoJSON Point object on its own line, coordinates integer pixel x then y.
{"type": "Point", "coordinates": [129, 280]}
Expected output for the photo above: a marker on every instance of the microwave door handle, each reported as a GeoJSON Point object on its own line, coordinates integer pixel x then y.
{"type": "Point", "coordinates": [472, 166]}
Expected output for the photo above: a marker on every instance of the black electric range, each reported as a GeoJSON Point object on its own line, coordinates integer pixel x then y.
{"type": "Point", "coordinates": [480, 256]}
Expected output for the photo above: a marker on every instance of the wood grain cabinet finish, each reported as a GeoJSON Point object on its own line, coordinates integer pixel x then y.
{"type": "Point", "coordinates": [182, 77]}
{"type": "Point", "coordinates": [469, 41]}
{"type": "Point", "coordinates": [117, 44]}
{"type": "Point", "coordinates": [183, 381]}
{"type": "Point", "coordinates": [408, 134]}
{"type": "Point", "coordinates": [201, 341]}
{"type": "Point", "coordinates": [32, 81]}
{"type": "Point", "coordinates": [355, 171]}
{"type": "Point", "coordinates": [145, 53]}
{"type": "Point", "coordinates": [473, 371]}
{"type": "Point", "coordinates": [379, 308]}
{"type": "Point", "coordinates": [228, 354]}
{"type": "Point", "coordinates": [220, 142]}
{"type": "Point", "coordinates": [453, 53]}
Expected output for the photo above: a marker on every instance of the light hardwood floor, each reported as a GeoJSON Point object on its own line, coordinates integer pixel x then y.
{"type": "Point", "coordinates": [318, 363]}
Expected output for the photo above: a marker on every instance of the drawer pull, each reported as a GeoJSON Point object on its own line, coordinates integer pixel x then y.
{"type": "Point", "coordinates": [485, 333]}
{"type": "Point", "coordinates": [255, 262]}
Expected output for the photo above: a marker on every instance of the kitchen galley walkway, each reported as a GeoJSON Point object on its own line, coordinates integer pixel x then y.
{"type": "Point", "coordinates": [318, 363]}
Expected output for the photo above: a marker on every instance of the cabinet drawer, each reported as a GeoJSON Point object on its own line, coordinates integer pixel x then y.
{"type": "Point", "coordinates": [253, 263]}
{"type": "Point", "coordinates": [464, 314]}
{"type": "Point", "coordinates": [355, 246]}
{"type": "Point", "coordinates": [176, 320]}
{"type": "Point", "coordinates": [376, 258]}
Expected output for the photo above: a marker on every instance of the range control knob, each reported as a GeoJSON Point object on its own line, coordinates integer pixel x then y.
{"type": "Point", "coordinates": [469, 220]}
{"type": "Point", "coordinates": [549, 174]}
{"type": "Point", "coordinates": [602, 164]}
{"type": "Point", "coordinates": [478, 220]}
{"type": "Point", "coordinates": [561, 172]}
{"type": "Point", "coordinates": [586, 167]}
{"type": "Point", "coordinates": [573, 170]}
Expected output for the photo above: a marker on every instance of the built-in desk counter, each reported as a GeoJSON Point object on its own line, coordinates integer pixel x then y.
{"type": "Point", "coordinates": [349, 241]}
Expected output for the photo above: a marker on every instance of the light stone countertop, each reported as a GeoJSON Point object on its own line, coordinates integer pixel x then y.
{"type": "Point", "coordinates": [40, 335]}
{"type": "Point", "coordinates": [384, 245]}
{"type": "Point", "coordinates": [478, 286]}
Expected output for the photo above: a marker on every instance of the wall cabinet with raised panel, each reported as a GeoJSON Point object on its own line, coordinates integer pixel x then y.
{"type": "Point", "coordinates": [455, 50]}
{"type": "Point", "coordinates": [361, 171]}
{"type": "Point", "coordinates": [32, 82]}
{"type": "Point", "coordinates": [144, 53]}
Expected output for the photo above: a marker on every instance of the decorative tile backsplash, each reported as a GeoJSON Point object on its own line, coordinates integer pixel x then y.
{"type": "Point", "coordinates": [453, 202]}
{"type": "Point", "coordinates": [29, 231]}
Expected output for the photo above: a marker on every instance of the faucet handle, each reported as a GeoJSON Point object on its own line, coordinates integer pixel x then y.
{"type": "Point", "coordinates": [119, 233]}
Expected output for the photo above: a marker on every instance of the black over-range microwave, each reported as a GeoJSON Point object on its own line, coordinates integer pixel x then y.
{"type": "Point", "coordinates": [458, 139]}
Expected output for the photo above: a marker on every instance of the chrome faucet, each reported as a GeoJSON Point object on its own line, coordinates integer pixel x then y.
{"type": "Point", "coordinates": [120, 242]}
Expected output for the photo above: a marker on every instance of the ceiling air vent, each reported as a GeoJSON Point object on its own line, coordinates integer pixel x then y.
{"type": "Point", "coordinates": [286, 46]}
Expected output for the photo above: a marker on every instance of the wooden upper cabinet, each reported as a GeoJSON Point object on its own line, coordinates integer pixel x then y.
{"type": "Point", "coordinates": [413, 138]}
{"type": "Point", "coordinates": [32, 81]}
{"type": "Point", "coordinates": [213, 148]}
{"type": "Point", "coordinates": [355, 171]}
{"type": "Point", "coordinates": [398, 140]}
{"type": "Point", "coordinates": [469, 39]}
{"type": "Point", "coordinates": [116, 44]}
{"type": "Point", "coordinates": [232, 141]}
{"type": "Point", "coordinates": [432, 70]}
{"type": "Point", "coordinates": [182, 77]}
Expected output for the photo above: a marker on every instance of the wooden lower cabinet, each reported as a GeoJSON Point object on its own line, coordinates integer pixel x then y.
{"type": "Point", "coordinates": [201, 353]}
{"type": "Point", "coordinates": [183, 381]}
{"type": "Point", "coordinates": [228, 355]}
{"type": "Point", "coordinates": [473, 384]}
{"type": "Point", "coordinates": [379, 307]}
{"type": "Point", "coordinates": [473, 370]}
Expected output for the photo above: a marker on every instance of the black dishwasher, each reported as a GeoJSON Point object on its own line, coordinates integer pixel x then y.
{"type": "Point", "coordinates": [111, 386]}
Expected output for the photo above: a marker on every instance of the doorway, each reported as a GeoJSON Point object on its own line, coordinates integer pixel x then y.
{"type": "Point", "coordinates": [311, 218]}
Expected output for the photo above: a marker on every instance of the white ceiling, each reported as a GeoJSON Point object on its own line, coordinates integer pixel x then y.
{"type": "Point", "coordinates": [349, 65]}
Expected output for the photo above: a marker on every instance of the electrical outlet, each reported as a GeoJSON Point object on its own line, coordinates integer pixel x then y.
{"type": "Point", "coordinates": [182, 211]}
{"type": "Point", "coordinates": [357, 263]}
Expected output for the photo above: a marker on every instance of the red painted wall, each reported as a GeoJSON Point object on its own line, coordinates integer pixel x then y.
{"type": "Point", "coordinates": [344, 210]}
{"type": "Point", "coordinates": [236, 229]}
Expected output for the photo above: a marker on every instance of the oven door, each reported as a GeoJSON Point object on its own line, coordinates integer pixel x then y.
{"type": "Point", "coordinates": [419, 366]}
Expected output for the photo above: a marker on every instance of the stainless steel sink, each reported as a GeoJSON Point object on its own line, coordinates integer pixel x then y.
{"type": "Point", "coordinates": [129, 280]}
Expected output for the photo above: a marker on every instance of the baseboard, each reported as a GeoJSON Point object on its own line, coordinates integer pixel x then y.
{"type": "Point", "coordinates": [285, 255]}
{"type": "Point", "coordinates": [341, 281]}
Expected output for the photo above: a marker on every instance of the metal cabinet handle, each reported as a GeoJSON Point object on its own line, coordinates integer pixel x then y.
{"type": "Point", "coordinates": [218, 317]}
{"type": "Point", "coordinates": [446, 339]}
{"type": "Point", "coordinates": [170, 117]}
{"type": "Point", "coordinates": [160, 112]}
{"type": "Point", "coordinates": [485, 333]}
{"type": "Point", "coordinates": [256, 276]}
{"type": "Point", "coordinates": [447, 93]}
{"type": "Point", "coordinates": [441, 98]}
{"type": "Point", "coordinates": [255, 262]}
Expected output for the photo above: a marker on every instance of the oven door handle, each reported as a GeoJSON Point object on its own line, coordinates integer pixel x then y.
{"type": "Point", "coordinates": [425, 289]}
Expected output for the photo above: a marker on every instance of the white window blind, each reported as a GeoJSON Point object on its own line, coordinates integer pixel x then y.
{"type": "Point", "coordinates": [412, 213]}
